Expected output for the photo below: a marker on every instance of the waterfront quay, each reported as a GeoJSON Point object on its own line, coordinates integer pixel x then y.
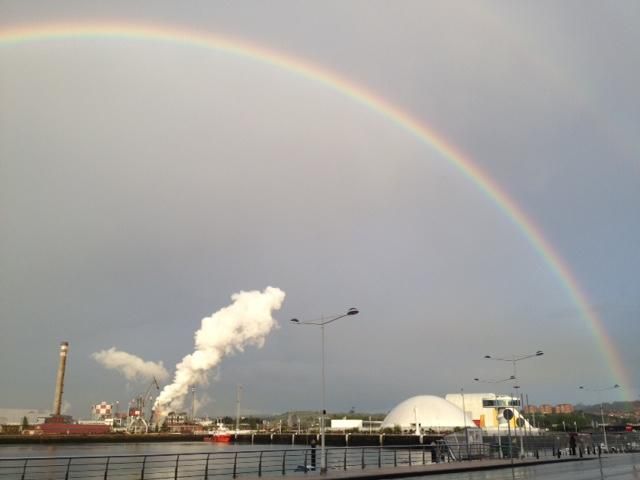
{"type": "Point", "coordinates": [232, 462]}
{"type": "Point", "coordinates": [332, 439]}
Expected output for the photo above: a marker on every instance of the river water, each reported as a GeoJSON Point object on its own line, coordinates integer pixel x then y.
{"type": "Point", "coordinates": [90, 449]}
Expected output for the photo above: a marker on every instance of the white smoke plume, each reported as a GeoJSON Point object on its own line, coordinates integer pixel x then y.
{"type": "Point", "coordinates": [247, 321]}
{"type": "Point", "coordinates": [131, 366]}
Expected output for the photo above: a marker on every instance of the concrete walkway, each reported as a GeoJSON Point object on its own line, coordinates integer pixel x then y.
{"type": "Point", "coordinates": [434, 469]}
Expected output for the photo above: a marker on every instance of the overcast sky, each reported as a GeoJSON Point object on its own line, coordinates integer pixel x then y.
{"type": "Point", "coordinates": [143, 183]}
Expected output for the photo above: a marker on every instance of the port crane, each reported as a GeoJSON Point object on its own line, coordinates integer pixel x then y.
{"type": "Point", "coordinates": [137, 421]}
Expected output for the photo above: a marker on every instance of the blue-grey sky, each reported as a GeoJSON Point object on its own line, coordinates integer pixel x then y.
{"type": "Point", "coordinates": [142, 183]}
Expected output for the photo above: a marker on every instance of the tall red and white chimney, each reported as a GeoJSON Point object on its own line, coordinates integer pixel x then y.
{"type": "Point", "coordinates": [57, 401]}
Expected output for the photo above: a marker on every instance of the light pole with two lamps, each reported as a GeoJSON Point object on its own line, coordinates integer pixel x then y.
{"type": "Point", "coordinates": [600, 390]}
{"type": "Point", "coordinates": [322, 323]}
{"type": "Point", "coordinates": [497, 407]}
{"type": "Point", "coordinates": [514, 359]}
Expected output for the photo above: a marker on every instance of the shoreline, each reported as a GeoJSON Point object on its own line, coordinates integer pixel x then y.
{"type": "Point", "coordinates": [332, 440]}
{"type": "Point", "coordinates": [109, 438]}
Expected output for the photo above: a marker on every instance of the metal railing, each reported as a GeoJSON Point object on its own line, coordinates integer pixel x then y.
{"type": "Point", "coordinates": [227, 464]}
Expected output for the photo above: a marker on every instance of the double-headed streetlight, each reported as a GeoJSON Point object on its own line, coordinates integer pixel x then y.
{"type": "Point", "coordinates": [600, 390]}
{"type": "Point", "coordinates": [514, 359]}
{"type": "Point", "coordinates": [322, 323]}
{"type": "Point", "coordinates": [501, 380]}
{"type": "Point", "coordinates": [496, 405]}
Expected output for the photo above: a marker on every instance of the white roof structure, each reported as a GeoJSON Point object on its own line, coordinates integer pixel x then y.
{"type": "Point", "coordinates": [429, 411]}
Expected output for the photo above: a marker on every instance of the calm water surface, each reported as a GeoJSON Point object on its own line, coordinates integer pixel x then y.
{"type": "Point", "coordinates": [65, 450]}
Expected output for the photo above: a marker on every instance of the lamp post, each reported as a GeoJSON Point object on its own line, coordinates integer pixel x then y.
{"type": "Point", "coordinates": [464, 418]}
{"type": "Point", "coordinates": [322, 323]}
{"type": "Point", "coordinates": [514, 359]}
{"type": "Point", "coordinates": [496, 406]}
{"type": "Point", "coordinates": [599, 391]}
{"type": "Point", "coordinates": [238, 398]}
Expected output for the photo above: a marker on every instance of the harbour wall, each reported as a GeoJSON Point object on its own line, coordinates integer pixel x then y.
{"type": "Point", "coordinates": [304, 439]}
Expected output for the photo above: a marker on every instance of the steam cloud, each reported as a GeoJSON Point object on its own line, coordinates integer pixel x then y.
{"type": "Point", "coordinates": [131, 366]}
{"type": "Point", "coordinates": [247, 321]}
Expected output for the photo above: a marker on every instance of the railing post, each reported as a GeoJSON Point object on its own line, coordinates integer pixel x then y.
{"type": "Point", "coordinates": [379, 457]}
{"type": "Point", "coordinates": [24, 468]}
{"type": "Point", "coordinates": [326, 456]}
{"type": "Point", "coordinates": [284, 459]}
{"type": "Point", "coordinates": [206, 467]}
{"type": "Point", "coordinates": [106, 468]}
{"type": "Point", "coordinates": [395, 457]}
{"type": "Point", "coordinates": [305, 460]}
{"type": "Point", "coordinates": [260, 464]}
{"type": "Point", "coordinates": [363, 458]}
{"type": "Point", "coordinates": [424, 460]}
{"type": "Point", "coordinates": [66, 475]}
{"type": "Point", "coordinates": [344, 465]}
{"type": "Point", "coordinates": [144, 462]}
{"type": "Point", "coordinates": [175, 473]}
{"type": "Point", "coordinates": [410, 456]}
{"type": "Point", "coordinates": [235, 464]}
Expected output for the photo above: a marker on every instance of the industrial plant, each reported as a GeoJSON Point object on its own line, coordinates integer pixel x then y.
{"type": "Point", "coordinates": [418, 415]}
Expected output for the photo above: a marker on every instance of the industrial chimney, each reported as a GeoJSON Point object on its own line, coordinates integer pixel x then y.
{"type": "Point", "coordinates": [57, 401]}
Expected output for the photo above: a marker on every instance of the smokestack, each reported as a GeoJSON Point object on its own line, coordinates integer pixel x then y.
{"type": "Point", "coordinates": [57, 401]}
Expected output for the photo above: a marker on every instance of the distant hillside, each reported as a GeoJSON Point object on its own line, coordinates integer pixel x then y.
{"type": "Point", "coordinates": [629, 408]}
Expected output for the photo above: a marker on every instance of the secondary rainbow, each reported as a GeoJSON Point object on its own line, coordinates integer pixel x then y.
{"type": "Point", "coordinates": [120, 30]}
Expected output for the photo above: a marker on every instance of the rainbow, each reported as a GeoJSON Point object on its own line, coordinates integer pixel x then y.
{"type": "Point", "coordinates": [47, 32]}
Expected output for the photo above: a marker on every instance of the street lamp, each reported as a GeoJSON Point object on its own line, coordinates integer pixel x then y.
{"type": "Point", "coordinates": [600, 390]}
{"type": "Point", "coordinates": [501, 380]}
{"type": "Point", "coordinates": [514, 359]}
{"type": "Point", "coordinates": [497, 406]}
{"type": "Point", "coordinates": [321, 323]}
{"type": "Point", "coordinates": [464, 419]}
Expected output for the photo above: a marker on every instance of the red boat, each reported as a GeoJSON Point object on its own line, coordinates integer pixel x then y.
{"type": "Point", "coordinates": [220, 435]}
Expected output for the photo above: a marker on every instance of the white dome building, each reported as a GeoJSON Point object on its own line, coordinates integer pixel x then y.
{"type": "Point", "coordinates": [428, 412]}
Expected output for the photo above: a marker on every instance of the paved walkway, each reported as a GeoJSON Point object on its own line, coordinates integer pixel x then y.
{"type": "Point", "coordinates": [435, 468]}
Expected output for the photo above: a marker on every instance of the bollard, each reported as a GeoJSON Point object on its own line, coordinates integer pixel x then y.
{"type": "Point", "coordinates": [537, 454]}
